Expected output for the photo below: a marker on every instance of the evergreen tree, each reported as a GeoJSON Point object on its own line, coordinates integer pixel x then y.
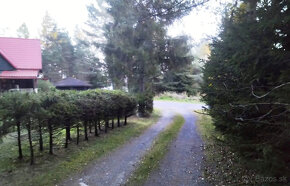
{"type": "Point", "coordinates": [22, 31]}
{"type": "Point", "coordinates": [57, 50]}
{"type": "Point", "coordinates": [177, 68]}
{"type": "Point", "coordinates": [135, 39]}
{"type": "Point", "coordinates": [246, 86]}
{"type": "Point", "coordinates": [62, 58]}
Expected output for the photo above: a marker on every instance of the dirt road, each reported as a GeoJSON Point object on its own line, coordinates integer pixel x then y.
{"type": "Point", "coordinates": [116, 167]}
{"type": "Point", "coordinates": [182, 164]}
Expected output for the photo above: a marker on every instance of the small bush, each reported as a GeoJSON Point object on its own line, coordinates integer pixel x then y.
{"type": "Point", "coordinates": [45, 86]}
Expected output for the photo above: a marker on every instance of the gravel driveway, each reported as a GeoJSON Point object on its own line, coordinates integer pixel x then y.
{"type": "Point", "coordinates": [182, 164]}
{"type": "Point", "coordinates": [184, 155]}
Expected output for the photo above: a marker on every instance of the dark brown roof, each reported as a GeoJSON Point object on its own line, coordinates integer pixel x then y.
{"type": "Point", "coordinates": [72, 82]}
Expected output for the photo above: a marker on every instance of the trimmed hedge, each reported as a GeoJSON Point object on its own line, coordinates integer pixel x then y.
{"type": "Point", "coordinates": [62, 110]}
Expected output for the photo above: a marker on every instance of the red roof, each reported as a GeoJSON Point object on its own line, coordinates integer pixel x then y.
{"type": "Point", "coordinates": [19, 74]}
{"type": "Point", "coordinates": [21, 53]}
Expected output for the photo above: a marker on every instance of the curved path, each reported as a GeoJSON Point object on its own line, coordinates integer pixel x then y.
{"type": "Point", "coordinates": [182, 164]}
{"type": "Point", "coordinates": [116, 167]}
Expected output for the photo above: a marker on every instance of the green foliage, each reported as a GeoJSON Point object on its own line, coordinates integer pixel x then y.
{"type": "Point", "coordinates": [55, 110]}
{"type": "Point", "coordinates": [145, 104]}
{"type": "Point", "coordinates": [52, 170]}
{"type": "Point", "coordinates": [246, 83]}
{"type": "Point", "coordinates": [222, 166]}
{"type": "Point", "coordinates": [137, 50]}
{"type": "Point", "coordinates": [98, 80]}
{"type": "Point", "coordinates": [45, 86]}
{"type": "Point", "coordinates": [176, 67]}
{"type": "Point", "coordinates": [177, 82]}
{"type": "Point", "coordinates": [64, 58]}
{"type": "Point", "coordinates": [177, 97]}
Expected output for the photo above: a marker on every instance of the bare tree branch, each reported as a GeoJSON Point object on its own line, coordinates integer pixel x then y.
{"type": "Point", "coordinates": [254, 104]}
{"type": "Point", "coordinates": [264, 95]}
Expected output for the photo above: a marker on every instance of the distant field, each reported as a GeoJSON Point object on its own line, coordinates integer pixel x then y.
{"type": "Point", "coordinates": [170, 96]}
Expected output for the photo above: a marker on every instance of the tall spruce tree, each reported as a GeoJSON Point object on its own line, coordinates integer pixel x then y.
{"type": "Point", "coordinates": [247, 82]}
{"type": "Point", "coordinates": [135, 40]}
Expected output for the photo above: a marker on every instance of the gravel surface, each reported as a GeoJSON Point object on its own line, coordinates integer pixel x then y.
{"type": "Point", "coordinates": [116, 167]}
{"type": "Point", "coordinates": [180, 167]}
{"type": "Point", "coordinates": [182, 164]}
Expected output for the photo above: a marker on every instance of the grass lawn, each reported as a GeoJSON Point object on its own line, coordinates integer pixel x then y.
{"type": "Point", "coordinates": [52, 169]}
{"type": "Point", "coordinates": [168, 96]}
{"type": "Point", "coordinates": [159, 149]}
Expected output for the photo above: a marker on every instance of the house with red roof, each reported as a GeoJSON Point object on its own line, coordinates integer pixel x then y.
{"type": "Point", "coordinates": [20, 63]}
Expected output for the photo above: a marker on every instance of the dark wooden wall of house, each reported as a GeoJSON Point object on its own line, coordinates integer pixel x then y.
{"type": "Point", "coordinates": [6, 84]}
{"type": "Point", "coordinates": [5, 65]}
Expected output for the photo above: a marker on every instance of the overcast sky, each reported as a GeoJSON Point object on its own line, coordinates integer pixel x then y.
{"type": "Point", "coordinates": [67, 13]}
{"type": "Point", "coordinates": [201, 23]}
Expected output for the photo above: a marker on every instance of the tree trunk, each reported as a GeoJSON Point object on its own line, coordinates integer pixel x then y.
{"type": "Point", "coordinates": [106, 126]}
{"type": "Point", "coordinates": [78, 134]}
{"type": "Point", "coordinates": [20, 155]}
{"type": "Point", "coordinates": [66, 142]}
{"type": "Point", "coordinates": [90, 127]}
{"type": "Point", "coordinates": [141, 90]}
{"type": "Point", "coordinates": [125, 120]}
{"type": "Point", "coordinates": [118, 120]}
{"type": "Point", "coordinates": [113, 124]}
{"type": "Point", "coordinates": [67, 130]}
{"type": "Point", "coordinates": [86, 130]}
{"type": "Point", "coordinates": [96, 128]}
{"type": "Point", "coordinates": [40, 136]}
{"type": "Point", "coordinates": [67, 134]}
{"type": "Point", "coordinates": [99, 124]}
{"type": "Point", "coordinates": [50, 131]}
{"type": "Point", "coordinates": [28, 126]}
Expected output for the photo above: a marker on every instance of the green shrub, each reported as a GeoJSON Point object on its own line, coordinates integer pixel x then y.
{"type": "Point", "coordinates": [47, 112]}
{"type": "Point", "coordinates": [45, 86]}
{"type": "Point", "coordinates": [145, 104]}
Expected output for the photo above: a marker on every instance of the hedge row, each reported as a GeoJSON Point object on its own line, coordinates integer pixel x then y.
{"type": "Point", "coordinates": [62, 110]}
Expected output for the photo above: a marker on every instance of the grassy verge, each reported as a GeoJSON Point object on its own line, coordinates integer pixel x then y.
{"type": "Point", "coordinates": [156, 153]}
{"type": "Point", "coordinates": [222, 166]}
{"type": "Point", "coordinates": [168, 96]}
{"type": "Point", "coordinates": [50, 170]}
